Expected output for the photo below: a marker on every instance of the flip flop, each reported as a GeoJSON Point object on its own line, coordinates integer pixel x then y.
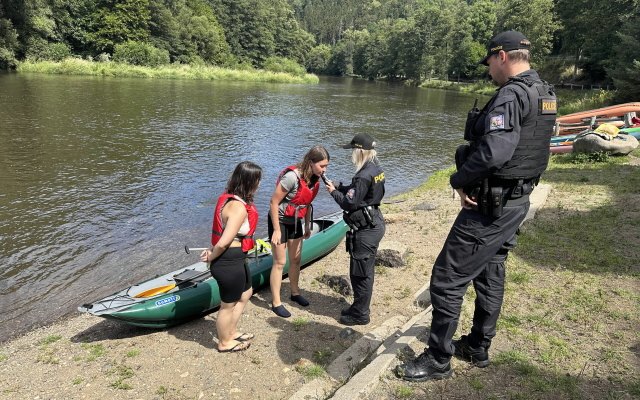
{"type": "Point", "coordinates": [244, 337]}
{"type": "Point", "coordinates": [242, 346]}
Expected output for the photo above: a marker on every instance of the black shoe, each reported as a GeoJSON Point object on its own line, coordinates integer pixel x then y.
{"type": "Point", "coordinates": [478, 356]}
{"type": "Point", "coordinates": [346, 311]}
{"type": "Point", "coordinates": [281, 311]}
{"type": "Point", "coordinates": [424, 368]}
{"type": "Point", "coordinates": [351, 320]}
{"type": "Point", "coordinates": [300, 300]}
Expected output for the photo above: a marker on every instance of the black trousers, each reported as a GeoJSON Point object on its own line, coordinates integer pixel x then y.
{"type": "Point", "coordinates": [362, 265]}
{"type": "Point", "coordinates": [475, 251]}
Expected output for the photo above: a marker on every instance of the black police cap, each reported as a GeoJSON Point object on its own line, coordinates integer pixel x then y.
{"type": "Point", "coordinates": [506, 41]}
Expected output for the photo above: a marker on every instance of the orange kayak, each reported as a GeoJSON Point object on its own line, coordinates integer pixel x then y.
{"type": "Point", "coordinates": [604, 112]}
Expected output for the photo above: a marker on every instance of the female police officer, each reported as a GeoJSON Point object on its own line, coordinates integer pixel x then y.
{"type": "Point", "coordinates": [360, 201]}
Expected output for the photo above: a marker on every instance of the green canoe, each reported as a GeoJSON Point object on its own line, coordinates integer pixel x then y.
{"type": "Point", "coordinates": [191, 292]}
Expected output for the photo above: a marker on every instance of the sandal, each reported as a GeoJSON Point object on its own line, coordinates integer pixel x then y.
{"type": "Point", "coordinates": [242, 346]}
{"type": "Point", "coordinates": [244, 337]}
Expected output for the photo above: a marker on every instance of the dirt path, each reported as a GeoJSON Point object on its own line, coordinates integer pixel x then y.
{"type": "Point", "coordinates": [88, 357]}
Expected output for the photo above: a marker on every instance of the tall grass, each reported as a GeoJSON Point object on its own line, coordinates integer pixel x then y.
{"type": "Point", "coordinates": [76, 66]}
{"type": "Point", "coordinates": [569, 101]}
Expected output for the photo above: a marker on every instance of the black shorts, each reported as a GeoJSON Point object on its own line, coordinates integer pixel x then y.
{"type": "Point", "coordinates": [287, 231]}
{"type": "Point", "coordinates": [232, 274]}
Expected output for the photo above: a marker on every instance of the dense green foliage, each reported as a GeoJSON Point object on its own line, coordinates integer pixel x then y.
{"type": "Point", "coordinates": [582, 40]}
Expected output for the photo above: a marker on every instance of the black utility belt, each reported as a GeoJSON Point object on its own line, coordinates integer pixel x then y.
{"type": "Point", "coordinates": [492, 198]}
{"type": "Point", "coordinates": [360, 218]}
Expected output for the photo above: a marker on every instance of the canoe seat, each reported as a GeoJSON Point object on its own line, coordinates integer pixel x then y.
{"type": "Point", "coordinates": [189, 275]}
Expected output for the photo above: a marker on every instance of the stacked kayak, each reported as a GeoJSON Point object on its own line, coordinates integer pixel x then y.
{"type": "Point", "coordinates": [190, 292]}
{"type": "Point", "coordinates": [570, 126]}
{"type": "Point", "coordinates": [577, 122]}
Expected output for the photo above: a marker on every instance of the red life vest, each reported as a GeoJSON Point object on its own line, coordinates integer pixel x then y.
{"type": "Point", "coordinates": [303, 198]}
{"type": "Point", "coordinates": [217, 228]}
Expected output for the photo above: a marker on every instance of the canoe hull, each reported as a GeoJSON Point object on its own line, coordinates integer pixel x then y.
{"type": "Point", "coordinates": [195, 298]}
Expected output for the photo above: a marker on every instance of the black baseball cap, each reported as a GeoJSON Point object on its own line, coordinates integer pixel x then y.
{"type": "Point", "coordinates": [507, 41]}
{"type": "Point", "coordinates": [361, 141]}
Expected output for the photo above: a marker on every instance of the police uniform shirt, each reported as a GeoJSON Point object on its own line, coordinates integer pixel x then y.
{"type": "Point", "coordinates": [496, 132]}
{"type": "Point", "coordinates": [357, 194]}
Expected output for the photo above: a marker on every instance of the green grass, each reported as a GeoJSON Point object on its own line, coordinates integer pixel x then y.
{"type": "Point", "coordinates": [311, 371]}
{"type": "Point", "coordinates": [133, 353]}
{"type": "Point", "coordinates": [50, 339]}
{"type": "Point", "coordinates": [403, 392]}
{"type": "Point", "coordinates": [299, 323]}
{"type": "Point", "coordinates": [77, 66]}
{"type": "Point", "coordinates": [95, 351]}
{"type": "Point", "coordinates": [322, 357]}
{"type": "Point", "coordinates": [121, 372]}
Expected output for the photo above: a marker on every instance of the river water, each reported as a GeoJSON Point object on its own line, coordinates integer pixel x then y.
{"type": "Point", "coordinates": [103, 180]}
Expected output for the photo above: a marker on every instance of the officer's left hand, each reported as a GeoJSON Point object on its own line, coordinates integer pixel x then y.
{"type": "Point", "coordinates": [466, 201]}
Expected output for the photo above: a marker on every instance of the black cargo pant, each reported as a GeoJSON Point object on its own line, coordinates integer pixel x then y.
{"type": "Point", "coordinates": [475, 251]}
{"type": "Point", "coordinates": [362, 265]}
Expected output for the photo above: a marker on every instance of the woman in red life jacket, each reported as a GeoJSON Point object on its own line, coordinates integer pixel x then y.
{"type": "Point", "coordinates": [234, 222]}
{"type": "Point", "coordinates": [290, 204]}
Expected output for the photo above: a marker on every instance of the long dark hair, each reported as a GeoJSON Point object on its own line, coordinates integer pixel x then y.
{"type": "Point", "coordinates": [315, 154]}
{"type": "Point", "coordinates": [244, 180]}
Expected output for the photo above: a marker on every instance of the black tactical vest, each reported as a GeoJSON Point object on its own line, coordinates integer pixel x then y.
{"type": "Point", "coordinates": [531, 156]}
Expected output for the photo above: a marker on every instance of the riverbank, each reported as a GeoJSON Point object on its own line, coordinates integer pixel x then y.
{"type": "Point", "coordinates": [77, 66]}
{"type": "Point", "coordinates": [569, 101]}
{"type": "Point", "coordinates": [569, 327]}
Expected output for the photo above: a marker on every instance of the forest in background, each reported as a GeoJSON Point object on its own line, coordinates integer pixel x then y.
{"type": "Point", "coordinates": [585, 41]}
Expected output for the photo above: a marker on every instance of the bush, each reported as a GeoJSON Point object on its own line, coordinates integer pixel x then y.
{"type": "Point", "coordinates": [139, 53]}
{"type": "Point", "coordinates": [8, 44]}
{"type": "Point", "coordinates": [318, 59]}
{"type": "Point", "coordinates": [280, 64]}
{"type": "Point", "coordinates": [45, 51]}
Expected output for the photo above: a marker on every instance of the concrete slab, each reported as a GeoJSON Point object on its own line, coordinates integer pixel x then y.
{"type": "Point", "coordinates": [362, 385]}
{"type": "Point", "coordinates": [537, 199]}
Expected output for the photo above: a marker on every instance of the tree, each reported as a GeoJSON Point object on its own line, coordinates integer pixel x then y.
{"type": "Point", "coordinates": [8, 43]}
{"type": "Point", "coordinates": [534, 18]}
{"type": "Point", "coordinates": [118, 21]}
{"type": "Point", "coordinates": [625, 63]}
{"type": "Point", "coordinates": [590, 31]}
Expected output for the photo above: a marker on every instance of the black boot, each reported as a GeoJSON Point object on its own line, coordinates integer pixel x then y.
{"type": "Point", "coordinates": [349, 319]}
{"type": "Point", "coordinates": [478, 356]}
{"type": "Point", "coordinates": [423, 368]}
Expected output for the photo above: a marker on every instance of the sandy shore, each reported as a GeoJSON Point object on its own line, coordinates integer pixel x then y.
{"type": "Point", "coordinates": [88, 357]}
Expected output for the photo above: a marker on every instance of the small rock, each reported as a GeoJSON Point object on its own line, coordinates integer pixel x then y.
{"type": "Point", "coordinates": [235, 390]}
{"type": "Point", "coordinates": [392, 254]}
{"type": "Point", "coordinates": [339, 284]}
{"type": "Point", "coordinates": [184, 375]}
{"type": "Point", "coordinates": [346, 332]}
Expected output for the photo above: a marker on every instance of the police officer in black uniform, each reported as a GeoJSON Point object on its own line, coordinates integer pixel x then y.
{"type": "Point", "coordinates": [496, 173]}
{"type": "Point", "coordinates": [360, 201]}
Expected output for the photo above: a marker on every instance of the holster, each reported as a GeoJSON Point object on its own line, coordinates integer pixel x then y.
{"type": "Point", "coordinates": [360, 218]}
{"type": "Point", "coordinates": [349, 241]}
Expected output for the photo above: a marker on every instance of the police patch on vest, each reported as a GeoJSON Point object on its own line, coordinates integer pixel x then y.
{"type": "Point", "coordinates": [548, 106]}
{"type": "Point", "coordinates": [496, 122]}
{"type": "Point", "coordinates": [351, 193]}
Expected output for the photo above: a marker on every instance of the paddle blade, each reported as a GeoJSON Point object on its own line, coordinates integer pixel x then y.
{"type": "Point", "coordinates": [155, 291]}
